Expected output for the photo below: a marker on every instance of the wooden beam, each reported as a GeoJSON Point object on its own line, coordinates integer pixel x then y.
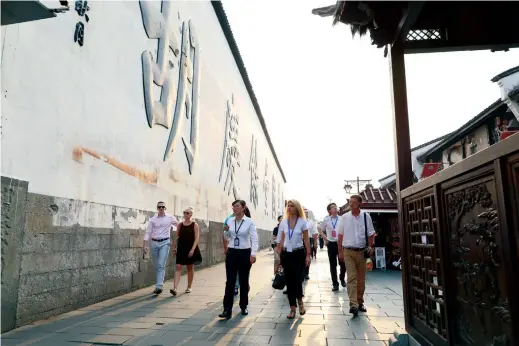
{"type": "Point", "coordinates": [402, 144]}
{"type": "Point", "coordinates": [408, 19]}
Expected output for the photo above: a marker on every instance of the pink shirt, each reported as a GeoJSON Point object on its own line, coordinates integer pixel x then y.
{"type": "Point", "coordinates": [159, 227]}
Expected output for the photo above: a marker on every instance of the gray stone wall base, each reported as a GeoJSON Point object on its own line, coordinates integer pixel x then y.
{"type": "Point", "coordinates": [401, 338]}
{"type": "Point", "coordinates": [48, 270]}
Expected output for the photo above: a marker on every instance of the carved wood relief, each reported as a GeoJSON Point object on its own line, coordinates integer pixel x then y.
{"type": "Point", "coordinates": [482, 315]}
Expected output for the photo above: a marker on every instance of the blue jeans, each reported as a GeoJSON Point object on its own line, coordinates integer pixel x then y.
{"type": "Point", "coordinates": [159, 254]}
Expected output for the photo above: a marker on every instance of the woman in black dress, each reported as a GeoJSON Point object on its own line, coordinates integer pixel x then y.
{"type": "Point", "coordinates": [185, 248]}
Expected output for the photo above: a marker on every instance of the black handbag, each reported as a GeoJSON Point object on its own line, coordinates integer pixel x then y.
{"type": "Point", "coordinates": [367, 250]}
{"type": "Point", "coordinates": [279, 281]}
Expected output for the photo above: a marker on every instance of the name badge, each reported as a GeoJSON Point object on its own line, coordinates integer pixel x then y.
{"type": "Point", "coordinates": [289, 247]}
{"type": "Point", "coordinates": [236, 242]}
{"type": "Point", "coordinates": [334, 234]}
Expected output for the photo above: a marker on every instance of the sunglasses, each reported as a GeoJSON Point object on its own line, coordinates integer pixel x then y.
{"type": "Point", "coordinates": [161, 207]}
{"type": "Point", "coordinates": [186, 213]}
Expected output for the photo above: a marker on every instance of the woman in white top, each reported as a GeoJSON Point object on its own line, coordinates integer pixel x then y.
{"type": "Point", "coordinates": [240, 246]}
{"type": "Point", "coordinates": [294, 247]}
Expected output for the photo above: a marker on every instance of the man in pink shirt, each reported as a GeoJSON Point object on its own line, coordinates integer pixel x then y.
{"type": "Point", "coordinates": [159, 230]}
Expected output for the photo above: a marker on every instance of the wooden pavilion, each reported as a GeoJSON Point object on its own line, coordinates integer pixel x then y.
{"type": "Point", "coordinates": [460, 227]}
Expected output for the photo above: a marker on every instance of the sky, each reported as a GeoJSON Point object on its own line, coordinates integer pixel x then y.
{"type": "Point", "coordinates": [326, 97]}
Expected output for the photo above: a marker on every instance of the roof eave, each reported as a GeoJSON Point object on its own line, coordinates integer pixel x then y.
{"type": "Point", "coordinates": [505, 74]}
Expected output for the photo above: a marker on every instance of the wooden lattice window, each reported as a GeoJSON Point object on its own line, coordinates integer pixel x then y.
{"type": "Point", "coordinates": [423, 35]}
{"type": "Point", "coordinates": [426, 299]}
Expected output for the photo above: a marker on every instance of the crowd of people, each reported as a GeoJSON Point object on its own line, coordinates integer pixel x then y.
{"type": "Point", "coordinates": [349, 240]}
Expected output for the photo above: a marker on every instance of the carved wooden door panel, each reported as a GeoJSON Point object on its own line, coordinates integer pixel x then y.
{"type": "Point", "coordinates": [477, 281]}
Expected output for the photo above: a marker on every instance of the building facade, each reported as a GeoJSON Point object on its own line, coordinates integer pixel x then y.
{"type": "Point", "coordinates": [106, 110]}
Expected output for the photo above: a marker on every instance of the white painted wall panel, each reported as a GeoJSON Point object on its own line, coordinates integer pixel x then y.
{"type": "Point", "coordinates": [57, 96]}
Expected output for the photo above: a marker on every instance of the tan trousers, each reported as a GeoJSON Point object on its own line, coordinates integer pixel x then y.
{"type": "Point", "coordinates": [356, 271]}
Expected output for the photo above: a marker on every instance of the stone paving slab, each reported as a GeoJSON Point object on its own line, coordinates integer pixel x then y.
{"type": "Point", "coordinates": [141, 319]}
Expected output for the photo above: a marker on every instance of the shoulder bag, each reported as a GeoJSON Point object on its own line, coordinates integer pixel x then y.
{"type": "Point", "coordinates": [367, 250]}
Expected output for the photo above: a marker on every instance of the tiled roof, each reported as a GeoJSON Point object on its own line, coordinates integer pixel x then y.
{"type": "Point", "coordinates": [378, 196]}
{"type": "Point", "coordinates": [471, 125]}
{"type": "Point", "coordinates": [381, 198]}
{"type": "Point", "coordinates": [505, 74]}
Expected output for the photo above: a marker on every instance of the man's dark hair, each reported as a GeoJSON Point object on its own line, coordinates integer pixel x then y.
{"type": "Point", "coordinates": [357, 197]}
{"type": "Point", "coordinates": [329, 206]}
{"type": "Point", "coordinates": [160, 203]}
{"type": "Point", "coordinates": [280, 217]}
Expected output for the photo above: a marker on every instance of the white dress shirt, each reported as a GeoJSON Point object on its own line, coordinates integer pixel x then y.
{"type": "Point", "coordinates": [312, 227]}
{"type": "Point", "coordinates": [159, 227]}
{"type": "Point", "coordinates": [353, 230]}
{"type": "Point", "coordinates": [245, 231]}
{"type": "Point", "coordinates": [296, 241]}
{"type": "Point", "coordinates": [328, 226]}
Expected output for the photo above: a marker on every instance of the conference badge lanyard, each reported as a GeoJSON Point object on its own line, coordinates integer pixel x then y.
{"type": "Point", "coordinates": [334, 233]}
{"type": "Point", "coordinates": [290, 234]}
{"type": "Point", "coordinates": [236, 230]}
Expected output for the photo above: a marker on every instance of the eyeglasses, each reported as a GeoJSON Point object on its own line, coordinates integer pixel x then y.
{"type": "Point", "coordinates": [161, 207]}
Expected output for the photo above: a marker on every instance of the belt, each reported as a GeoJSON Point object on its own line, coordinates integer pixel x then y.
{"type": "Point", "coordinates": [160, 240]}
{"type": "Point", "coordinates": [354, 248]}
{"type": "Point", "coordinates": [297, 248]}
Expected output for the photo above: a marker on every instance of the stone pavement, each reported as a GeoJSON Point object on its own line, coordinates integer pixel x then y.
{"type": "Point", "coordinates": [141, 319]}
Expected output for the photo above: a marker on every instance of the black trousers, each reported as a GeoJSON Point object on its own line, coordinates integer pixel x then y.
{"type": "Point", "coordinates": [294, 267]}
{"type": "Point", "coordinates": [313, 248]}
{"type": "Point", "coordinates": [237, 261]}
{"type": "Point", "coordinates": [333, 253]}
{"type": "Point", "coordinates": [321, 242]}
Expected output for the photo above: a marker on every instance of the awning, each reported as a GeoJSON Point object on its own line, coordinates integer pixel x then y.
{"type": "Point", "coordinates": [429, 169]}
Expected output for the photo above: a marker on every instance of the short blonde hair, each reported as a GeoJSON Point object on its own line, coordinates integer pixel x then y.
{"type": "Point", "coordinates": [300, 212]}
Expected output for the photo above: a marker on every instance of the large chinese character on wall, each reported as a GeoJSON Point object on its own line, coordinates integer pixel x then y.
{"type": "Point", "coordinates": [253, 168]}
{"type": "Point", "coordinates": [176, 69]}
{"type": "Point", "coordinates": [266, 187]}
{"type": "Point", "coordinates": [231, 149]}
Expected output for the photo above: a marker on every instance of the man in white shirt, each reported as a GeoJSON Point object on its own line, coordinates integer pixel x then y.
{"type": "Point", "coordinates": [329, 225]}
{"type": "Point", "coordinates": [159, 230]}
{"type": "Point", "coordinates": [313, 234]}
{"type": "Point", "coordinates": [353, 229]}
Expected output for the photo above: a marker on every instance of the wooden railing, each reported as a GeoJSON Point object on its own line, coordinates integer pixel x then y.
{"type": "Point", "coordinates": [460, 237]}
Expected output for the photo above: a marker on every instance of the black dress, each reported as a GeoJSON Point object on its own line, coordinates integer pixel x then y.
{"type": "Point", "coordinates": [186, 238]}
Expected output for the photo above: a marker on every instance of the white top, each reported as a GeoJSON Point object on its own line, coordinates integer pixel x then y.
{"type": "Point", "coordinates": [327, 225]}
{"type": "Point", "coordinates": [159, 227]}
{"type": "Point", "coordinates": [312, 227]}
{"type": "Point", "coordinates": [246, 233]}
{"type": "Point", "coordinates": [352, 228]}
{"type": "Point", "coordinates": [297, 236]}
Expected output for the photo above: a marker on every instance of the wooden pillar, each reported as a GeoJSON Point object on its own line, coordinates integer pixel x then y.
{"type": "Point", "coordinates": [403, 167]}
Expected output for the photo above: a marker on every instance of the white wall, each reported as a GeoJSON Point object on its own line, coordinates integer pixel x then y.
{"type": "Point", "coordinates": [58, 96]}
{"type": "Point", "coordinates": [480, 138]}
{"type": "Point", "coordinates": [507, 84]}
